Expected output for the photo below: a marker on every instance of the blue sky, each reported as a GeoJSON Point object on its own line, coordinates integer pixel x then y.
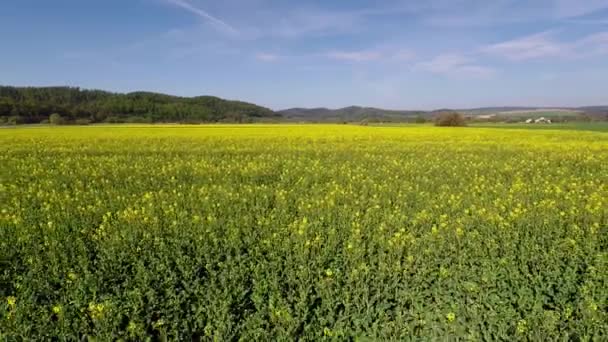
{"type": "Point", "coordinates": [286, 53]}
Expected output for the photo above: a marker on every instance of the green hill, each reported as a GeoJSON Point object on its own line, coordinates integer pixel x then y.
{"type": "Point", "coordinates": [35, 104]}
{"type": "Point", "coordinates": [76, 105]}
{"type": "Point", "coordinates": [350, 114]}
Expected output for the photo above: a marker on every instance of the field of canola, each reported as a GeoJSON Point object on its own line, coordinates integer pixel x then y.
{"type": "Point", "coordinates": [305, 232]}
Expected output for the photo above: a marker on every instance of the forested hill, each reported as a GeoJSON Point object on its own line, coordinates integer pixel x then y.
{"type": "Point", "coordinates": [36, 104]}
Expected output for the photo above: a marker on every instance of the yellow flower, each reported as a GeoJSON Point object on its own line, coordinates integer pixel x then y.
{"type": "Point", "coordinates": [132, 327]}
{"type": "Point", "coordinates": [12, 301]}
{"type": "Point", "coordinates": [57, 309]}
{"type": "Point", "coordinates": [451, 317]}
{"type": "Point", "coordinates": [522, 326]}
{"type": "Point", "coordinates": [96, 310]}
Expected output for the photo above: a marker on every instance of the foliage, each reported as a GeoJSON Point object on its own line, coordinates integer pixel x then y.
{"type": "Point", "coordinates": [83, 122]}
{"type": "Point", "coordinates": [15, 120]}
{"type": "Point", "coordinates": [36, 104]}
{"type": "Point", "coordinates": [137, 119]}
{"type": "Point", "coordinates": [285, 232]}
{"type": "Point", "coordinates": [450, 119]}
{"type": "Point", "coordinates": [348, 114]}
{"type": "Point", "coordinates": [420, 119]}
{"type": "Point", "coordinates": [56, 119]}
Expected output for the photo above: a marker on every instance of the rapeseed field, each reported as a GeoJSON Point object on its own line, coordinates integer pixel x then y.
{"type": "Point", "coordinates": [310, 232]}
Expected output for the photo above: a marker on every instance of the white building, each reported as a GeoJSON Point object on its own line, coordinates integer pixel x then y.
{"type": "Point", "coordinates": [542, 120]}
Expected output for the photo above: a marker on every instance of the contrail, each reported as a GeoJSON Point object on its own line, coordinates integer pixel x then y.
{"type": "Point", "coordinates": [203, 14]}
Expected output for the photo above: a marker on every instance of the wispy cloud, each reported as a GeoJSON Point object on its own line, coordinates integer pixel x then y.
{"type": "Point", "coordinates": [577, 8]}
{"type": "Point", "coordinates": [452, 64]}
{"type": "Point", "coordinates": [377, 55]}
{"type": "Point", "coordinates": [544, 45]}
{"type": "Point", "coordinates": [267, 57]}
{"type": "Point", "coordinates": [596, 43]}
{"type": "Point", "coordinates": [474, 13]}
{"type": "Point", "coordinates": [384, 54]}
{"type": "Point", "coordinates": [354, 56]}
{"type": "Point", "coordinates": [297, 23]}
{"type": "Point", "coordinates": [216, 22]}
{"type": "Point", "coordinates": [534, 46]}
{"type": "Point", "coordinates": [587, 21]}
{"type": "Point", "coordinates": [471, 13]}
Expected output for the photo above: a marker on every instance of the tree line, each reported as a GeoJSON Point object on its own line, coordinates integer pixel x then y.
{"type": "Point", "coordinates": [20, 105]}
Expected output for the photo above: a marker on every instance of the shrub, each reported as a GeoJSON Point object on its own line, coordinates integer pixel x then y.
{"type": "Point", "coordinates": [113, 119]}
{"type": "Point", "coordinates": [138, 119]}
{"type": "Point", "coordinates": [16, 120]}
{"type": "Point", "coordinates": [450, 119]}
{"type": "Point", "coordinates": [83, 121]}
{"type": "Point", "coordinates": [420, 120]}
{"type": "Point", "coordinates": [193, 122]}
{"type": "Point", "coordinates": [56, 119]}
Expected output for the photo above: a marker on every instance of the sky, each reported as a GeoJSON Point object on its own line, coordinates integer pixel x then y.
{"type": "Point", "coordinates": [395, 54]}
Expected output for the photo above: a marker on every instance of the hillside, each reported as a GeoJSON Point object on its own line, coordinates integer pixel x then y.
{"type": "Point", "coordinates": [36, 104]}
{"type": "Point", "coordinates": [597, 112]}
{"type": "Point", "coordinates": [515, 113]}
{"type": "Point", "coordinates": [349, 114]}
{"type": "Point", "coordinates": [356, 114]}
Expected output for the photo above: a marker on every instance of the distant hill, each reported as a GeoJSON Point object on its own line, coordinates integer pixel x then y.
{"type": "Point", "coordinates": [493, 110]}
{"type": "Point", "coordinates": [595, 110]}
{"type": "Point", "coordinates": [350, 114]}
{"type": "Point", "coordinates": [518, 113]}
{"type": "Point", "coordinates": [35, 104]}
{"type": "Point", "coordinates": [357, 114]}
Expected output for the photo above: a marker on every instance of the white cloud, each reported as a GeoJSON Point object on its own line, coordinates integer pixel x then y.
{"type": "Point", "coordinates": [403, 55]}
{"type": "Point", "coordinates": [544, 45]}
{"type": "Point", "coordinates": [534, 46]}
{"type": "Point", "coordinates": [594, 44]}
{"type": "Point", "coordinates": [598, 39]}
{"type": "Point", "coordinates": [267, 57]}
{"type": "Point", "coordinates": [475, 13]}
{"type": "Point", "coordinates": [304, 22]}
{"type": "Point", "coordinates": [378, 55]}
{"type": "Point", "coordinates": [355, 56]}
{"type": "Point", "coordinates": [383, 54]}
{"type": "Point", "coordinates": [216, 22]}
{"type": "Point", "coordinates": [576, 8]}
{"type": "Point", "coordinates": [443, 63]}
{"type": "Point", "coordinates": [588, 21]}
{"type": "Point", "coordinates": [455, 65]}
